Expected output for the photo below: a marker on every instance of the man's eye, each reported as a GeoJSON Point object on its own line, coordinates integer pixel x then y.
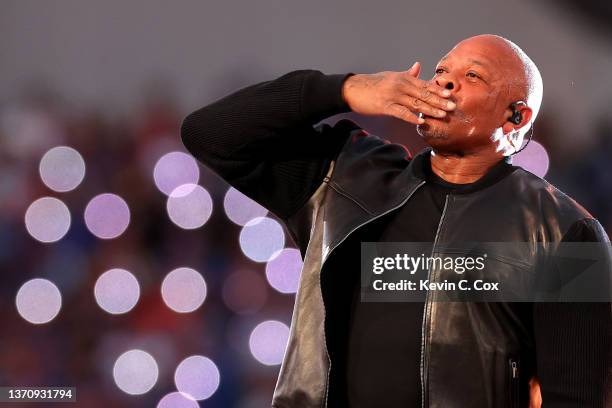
{"type": "Point", "coordinates": [472, 75]}
{"type": "Point", "coordinates": [439, 71]}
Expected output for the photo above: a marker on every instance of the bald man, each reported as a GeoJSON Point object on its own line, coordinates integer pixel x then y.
{"type": "Point", "coordinates": [337, 186]}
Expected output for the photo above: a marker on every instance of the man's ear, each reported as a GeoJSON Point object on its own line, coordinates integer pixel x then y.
{"type": "Point", "coordinates": [526, 113]}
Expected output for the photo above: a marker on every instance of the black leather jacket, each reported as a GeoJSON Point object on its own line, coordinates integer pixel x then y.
{"type": "Point", "coordinates": [473, 354]}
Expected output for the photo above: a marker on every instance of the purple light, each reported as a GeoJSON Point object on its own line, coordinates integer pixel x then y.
{"type": "Point", "coordinates": [183, 290]}
{"type": "Point", "coordinates": [283, 271]}
{"type": "Point", "coordinates": [268, 342]}
{"type": "Point", "coordinates": [117, 291]}
{"type": "Point", "coordinates": [135, 372]}
{"type": "Point", "coordinates": [533, 158]}
{"type": "Point", "coordinates": [197, 376]}
{"type": "Point", "coordinates": [189, 206]}
{"type": "Point", "coordinates": [240, 209]}
{"type": "Point", "coordinates": [177, 399]}
{"type": "Point", "coordinates": [174, 169]}
{"type": "Point", "coordinates": [47, 219]}
{"type": "Point", "coordinates": [244, 292]}
{"type": "Point", "coordinates": [62, 169]}
{"type": "Point", "coordinates": [261, 238]}
{"type": "Point", "coordinates": [107, 216]}
{"type": "Point", "coordinates": [38, 301]}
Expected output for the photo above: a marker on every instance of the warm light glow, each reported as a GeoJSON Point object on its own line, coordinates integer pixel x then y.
{"type": "Point", "coordinates": [175, 169]}
{"type": "Point", "coordinates": [283, 271]}
{"type": "Point", "coordinates": [107, 216]}
{"type": "Point", "coordinates": [183, 290]}
{"type": "Point", "coordinates": [261, 239]}
{"type": "Point", "coordinates": [117, 291]}
{"type": "Point", "coordinates": [135, 372]}
{"type": "Point", "coordinates": [62, 169]}
{"type": "Point", "coordinates": [268, 342]}
{"type": "Point", "coordinates": [189, 206]}
{"type": "Point", "coordinates": [47, 219]}
{"type": "Point", "coordinates": [198, 377]}
{"type": "Point", "coordinates": [240, 209]}
{"type": "Point", "coordinates": [38, 301]}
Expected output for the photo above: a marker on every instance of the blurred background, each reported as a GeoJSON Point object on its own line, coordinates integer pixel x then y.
{"type": "Point", "coordinates": [133, 273]}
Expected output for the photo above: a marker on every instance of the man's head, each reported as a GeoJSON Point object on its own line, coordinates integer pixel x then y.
{"type": "Point", "coordinates": [485, 74]}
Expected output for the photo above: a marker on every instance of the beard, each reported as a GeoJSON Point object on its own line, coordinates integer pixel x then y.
{"type": "Point", "coordinates": [440, 129]}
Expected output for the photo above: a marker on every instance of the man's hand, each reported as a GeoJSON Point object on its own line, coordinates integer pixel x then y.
{"type": "Point", "coordinates": [399, 94]}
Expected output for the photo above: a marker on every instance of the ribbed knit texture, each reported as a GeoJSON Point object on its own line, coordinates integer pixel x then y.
{"type": "Point", "coordinates": [261, 138]}
{"type": "Point", "coordinates": [573, 344]}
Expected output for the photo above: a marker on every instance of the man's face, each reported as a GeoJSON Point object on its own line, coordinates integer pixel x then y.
{"type": "Point", "coordinates": [483, 78]}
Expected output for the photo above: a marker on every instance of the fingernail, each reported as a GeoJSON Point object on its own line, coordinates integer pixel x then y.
{"type": "Point", "coordinates": [446, 92]}
{"type": "Point", "coordinates": [421, 120]}
{"type": "Point", "coordinates": [451, 105]}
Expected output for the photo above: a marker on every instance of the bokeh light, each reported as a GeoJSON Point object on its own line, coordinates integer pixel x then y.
{"type": "Point", "coordinates": [283, 271]}
{"type": "Point", "coordinates": [197, 376]}
{"type": "Point", "coordinates": [189, 206]}
{"type": "Point", "coordinates": [107, 216]}
{"type": "Point", "coordinates": [244, 291]}
{"type": "Point", "coordinates": [268, 341]}
{"type": "Point", "coordinates": [175, 169]}
{"type": "Point", "coordinates": [183, 290]}
{"type": "Point", "coordinates": [533, 158]}
{"type": "Point", "coordinates": [62, 168]}
{"type": "Point", "coordinates": [38, 301]}
{"type": "Point", "coordinates": [177, 399]}
{"type": "Point", "coordinates": [135, 372]}
{"type": "Point", "coordinates": [261, 239]}
{"type": "Point", "coordinates": [240, 209]}
{"type": "Point", "coordinates": [47, 219]}
{"type": "Point", "coordinates": [117, 291]}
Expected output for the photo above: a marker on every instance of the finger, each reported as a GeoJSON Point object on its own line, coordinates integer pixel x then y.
{"type": "Point", "coordinates": [413, 86]}
{"type": "Point", "coordinates": [415, 70]}
{"type": "Point", "coordinates": [403, 113]}
{"type": "Point", "coordinates": [429, 93]}
{"type": "Point", "coordinates": [418, 105]}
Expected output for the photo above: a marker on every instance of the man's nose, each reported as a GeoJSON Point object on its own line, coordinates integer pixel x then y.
{"type": "Point", "coordinates": [447, 82]}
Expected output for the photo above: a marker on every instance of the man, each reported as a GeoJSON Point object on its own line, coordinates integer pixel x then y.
{"type": "Point", "coordinates": [337, 186]}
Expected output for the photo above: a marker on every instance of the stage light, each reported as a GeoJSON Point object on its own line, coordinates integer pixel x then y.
{"type": "Point", "coordinates": [534, 159]}
{"type": "Point", "coordinates": [177, 399]}
{"type": "Point", "coordinates": [261, 239]}
{"type": "Point", "coordinates": [183, 290]}
{"type": "Point", "coordinates": [175, 169]}
{"type": "Point", "coordinates": [244, 291]}
{"type": "Point", "coordinates": [283, 271]}
{"type": "Point", "coordinates": [38, 301]}
{"type": "Point", "coordinates": [189, 206]}
{"type": "Point", "coordinates": [135, 372]}
{"type": "Point", "coordinates": [47, 219]}
{"type": "Point", "coordinates": [117, 291]}
{"type": "Point", "coordinates": [240, 209]}
{"type": "Point", "coordinates": [197, 376]}
{"type": "Point", "coordinates": [107, 216]}
{"type": "Point", "coordinates": [268, 342]}
{"type": "Point", "coordinates": [62, 168]}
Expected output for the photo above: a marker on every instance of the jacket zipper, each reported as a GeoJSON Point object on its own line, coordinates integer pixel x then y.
{"type": "Point", "coordinates": [336, 246]}
{"type": "Point", "coordinates": [514, 382]}
{"type": "Point", "coordinates": [427, 310]}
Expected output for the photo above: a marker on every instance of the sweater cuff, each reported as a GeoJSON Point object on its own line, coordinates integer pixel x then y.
{"type": "Point", "coordinates": [322, 95]}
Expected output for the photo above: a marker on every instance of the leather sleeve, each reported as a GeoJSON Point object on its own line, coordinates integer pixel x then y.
{"type": "Point", "coordinates": [263, 141]}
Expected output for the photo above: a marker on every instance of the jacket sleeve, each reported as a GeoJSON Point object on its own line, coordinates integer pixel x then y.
{"type": "Point", "coordinates": [263, 141]}
{"type": "Point", "coordinates": [574, 343]}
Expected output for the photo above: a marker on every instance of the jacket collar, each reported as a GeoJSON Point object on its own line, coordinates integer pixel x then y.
{"type": "Point", "coordinates": [420, 168]}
